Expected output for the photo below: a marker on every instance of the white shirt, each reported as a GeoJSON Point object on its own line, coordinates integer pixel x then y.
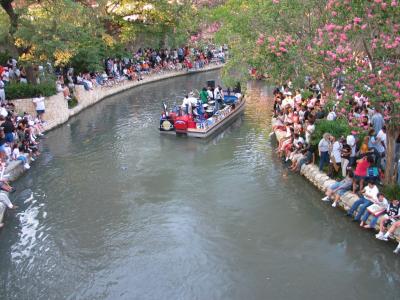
{"type": "Point", "coordinates": [15, 154]}
{"type": "Point", "coordinates": [185, 102]}
{"type": "Point", "coordinates": [371, 193]}
{"type": "Point", "coordinates": [383, 204]}
{"type": "Point", "coordinates": [297, 141]}
{"type": "Point", "coordinates": [331, 116]}
{"type": "Point", "coordinates": [39, 102]}
{"type": "Point", "coordinates": [382, 136]}
{"type": "Point", "coordinates": [3, 112]}
{"type": "Point", "coordinates": [351, 141]}
{"type": "Point", "coordinates": [193, 101]}
{"type": "Point", "coordinates": [336, 148]}
{"type": "Point", "coordinates": [210, 94]}
{"type": "Point", "coordinates": [217, 94]}
{"type": "Point", "coordinates": [309, 131]}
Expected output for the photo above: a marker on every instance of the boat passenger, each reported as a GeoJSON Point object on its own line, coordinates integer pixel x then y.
{"type": "Point", "coordinates": [204, 96]}
{"type": "Point", "coordinates": [186, 106]}
{"type": "Point", "coordinates": [210, 93]}
{"type": "Point", "coordinates": [218, 95]}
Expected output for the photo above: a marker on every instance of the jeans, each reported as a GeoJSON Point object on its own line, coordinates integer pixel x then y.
{"type": "Point", "coordinates": [345, 163]}
{"type": "Point", "coordinates": [363, 203]}
{"type": "Point", "coordinates": [324, 159]}
{"type": "Point", "coordinates": [5, 200]}
{"type": "Point", "coordinates": [23, 159]}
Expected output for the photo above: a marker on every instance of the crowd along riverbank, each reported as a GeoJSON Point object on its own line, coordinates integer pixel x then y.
{"type": "Point", "coordinates": [322, 181]}
{"type": "Point", "coordinates": [58, 112]}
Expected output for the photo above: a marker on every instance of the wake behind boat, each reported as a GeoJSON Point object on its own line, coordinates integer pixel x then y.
{"type": "Point", "coordinates": [204, 115]}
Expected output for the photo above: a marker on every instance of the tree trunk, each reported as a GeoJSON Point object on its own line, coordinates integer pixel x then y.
{"type": "Point", "coordinates": [9, 9]}
{"type": "Point", "coordinates": [391, 163]}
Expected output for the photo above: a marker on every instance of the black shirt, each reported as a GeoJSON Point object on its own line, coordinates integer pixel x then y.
{"type": "Point", "coordinates": [8, 126]}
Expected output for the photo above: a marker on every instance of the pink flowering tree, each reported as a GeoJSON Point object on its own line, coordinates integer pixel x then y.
{"type": "Point", "coordinates": [358, 40]}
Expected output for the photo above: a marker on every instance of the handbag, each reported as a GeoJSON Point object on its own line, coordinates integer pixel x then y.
{"type": "Point", "coordinates": [376, 210]}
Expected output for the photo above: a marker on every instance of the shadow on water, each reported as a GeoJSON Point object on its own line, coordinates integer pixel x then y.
{"type": "Point", "coordinates": [113, 210]}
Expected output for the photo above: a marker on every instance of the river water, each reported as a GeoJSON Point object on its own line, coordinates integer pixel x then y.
{"type": "Point", "coordinates": [113, 210]}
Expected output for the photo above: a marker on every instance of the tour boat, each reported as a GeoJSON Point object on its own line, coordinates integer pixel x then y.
{"type": "Point", "coordinates": [213, 120]}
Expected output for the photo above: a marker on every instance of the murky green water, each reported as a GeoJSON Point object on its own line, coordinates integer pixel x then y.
{"type": "Point", "coordinates": [113, 210]}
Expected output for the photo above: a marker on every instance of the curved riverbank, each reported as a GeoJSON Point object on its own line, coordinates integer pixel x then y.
{"type": "Point", "coordinates": [322, 181]}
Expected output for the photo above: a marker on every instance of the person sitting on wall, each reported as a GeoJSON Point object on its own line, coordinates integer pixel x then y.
{"type": "Point", "coordinates": [338, 189]}
{"type": "Point", "coordinates": [369, 197]}
{"type": "Point", "coordinates": [391, 217]}
{"type": "Point", "coordinates": [6, 201]}
{"type": "Point", "coordinates": [382, 203]}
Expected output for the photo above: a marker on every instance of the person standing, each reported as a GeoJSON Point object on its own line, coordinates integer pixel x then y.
{"type": "Point", "coordinates": [40, 106]}
{"type": "Point", "coordinates": [323, 149]}
{"type": "Point", "coordinates": [351, 141]}
{"type": "Point", "coordinates": [335, 159]}
{"type": "Point", "coordinates": [345, 154]}
{"type": "Point", "coordinates": [2, 92]}
{"type": "Point", "coordinates": [204, 96]}
{"type": "Point", "coordinates": [377, 120]}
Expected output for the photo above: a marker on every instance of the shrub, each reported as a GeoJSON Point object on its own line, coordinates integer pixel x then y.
{"type": "Point", "coordinates": [73, 102]}
{"type": "Point", "coordinates": [391, 191]}
{"type": "Point", "coordinates": [337, 128]}
{"type": "Point", "coordinates": [306, 93]}
{"type": "Point", "coordinates": [21, 90]}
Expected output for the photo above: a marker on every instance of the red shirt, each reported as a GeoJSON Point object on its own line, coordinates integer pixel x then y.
{"type": "Point", "coordinates": [361, 168]}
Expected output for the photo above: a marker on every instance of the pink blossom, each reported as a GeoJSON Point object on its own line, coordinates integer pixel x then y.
{"type": "Point", "coordinates": [363, 26]}
{"type": "Point", "coordinates": [383, 6]}
{"type": "Point", "coordinates": [334, 13]}
{"type": "Point", "coordinates": [378, 1]}
{"type": "Point", "coordinates": [275, 1]}
{"type": "Point", "coordinates": [278, 54]}
{"type": "Point", "coordinates": [394, 3]}
{"type": "Point", "coordinates": [284, 50]}
{"type": "Point", "coordinates": [347, 27]}
{"type": "Point", "coordinates": [357, 19]}
{"type": "Point", "coordinates": [343, 37]}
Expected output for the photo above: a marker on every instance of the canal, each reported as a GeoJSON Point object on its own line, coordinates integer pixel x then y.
{"type": "Point", "coordinates": [113, 210]}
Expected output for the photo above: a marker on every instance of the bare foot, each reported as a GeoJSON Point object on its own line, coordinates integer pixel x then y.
{"type": "Point", "coordinates": [1, 225]}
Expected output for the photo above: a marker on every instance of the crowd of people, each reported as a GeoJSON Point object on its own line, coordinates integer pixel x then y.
{"type": "Point", "coordinates": [357, 163]}
{"type": "Point", "coordinates": [144, 62]}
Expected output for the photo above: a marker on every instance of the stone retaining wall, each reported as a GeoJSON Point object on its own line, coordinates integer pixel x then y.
{"type": "Point", "coordinates": [322, 181]}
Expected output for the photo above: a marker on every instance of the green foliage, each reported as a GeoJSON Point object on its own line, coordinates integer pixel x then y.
{"type": "Point", "coordinates": [306, 93]}
{"type": "Point", "coordinates": [21, 90]}
{"type": "Point", "coordinates": [72, 103]}
{"type": "Point", "coordinates": [391, 191]}
{"type": "Point", "coordinates": [337, 128]}
{"type": "Point", "coordinates": [4, 57]}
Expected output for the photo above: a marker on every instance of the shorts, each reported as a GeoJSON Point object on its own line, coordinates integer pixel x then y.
{"type": "Point", "coordinates": [356, 177]}
{"type": "Point", "coordinates": [342, 191]}
{"type": "Point", "coordinates": [388, 222]}
{"type": "Point", "coordinates": [40, 112]}
{"type": "Point", "coordinates": [335, 186]}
